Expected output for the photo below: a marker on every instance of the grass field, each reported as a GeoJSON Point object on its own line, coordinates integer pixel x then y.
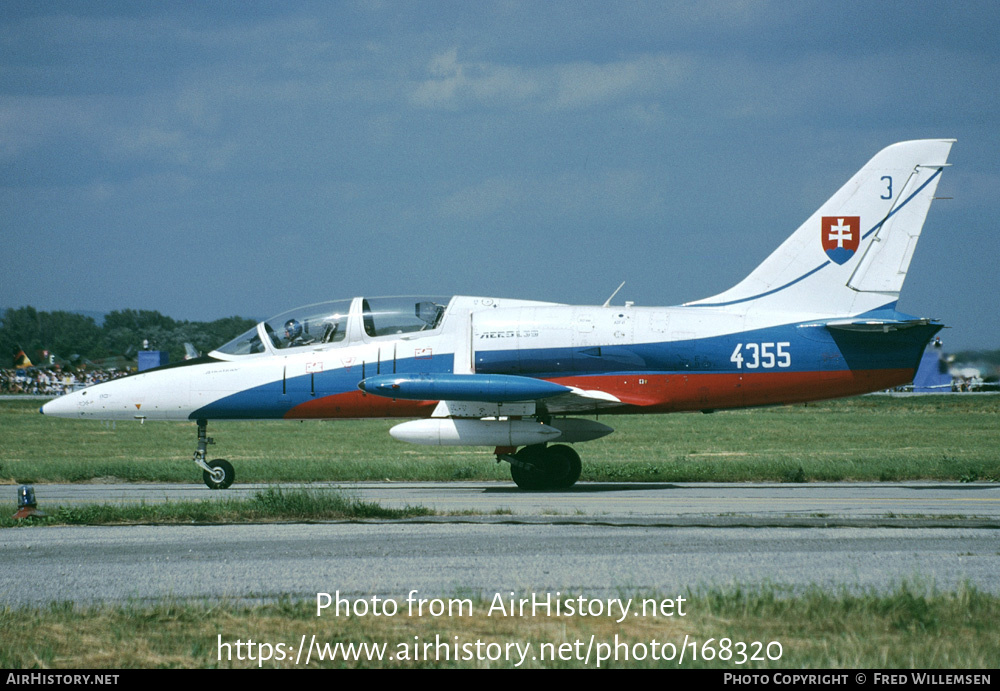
{"type": "Point", "coordinates": [872, 438]}
{"type": "Point", "coordinates": [912, 627]}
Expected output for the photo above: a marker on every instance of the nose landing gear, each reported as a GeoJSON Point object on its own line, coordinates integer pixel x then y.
{"type": "Point", "coordinates": [218, 473]}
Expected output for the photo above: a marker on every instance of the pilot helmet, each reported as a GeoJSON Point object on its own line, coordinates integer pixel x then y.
{"type": "Point", "coordinates": [293, 329]}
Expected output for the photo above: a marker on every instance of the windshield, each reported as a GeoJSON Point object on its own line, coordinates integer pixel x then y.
{"type": "Point", "coordinates": [244, 344]}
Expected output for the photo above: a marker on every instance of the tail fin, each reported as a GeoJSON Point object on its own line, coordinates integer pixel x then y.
{"type": "Point", "coordinates": [852, 255]}
{"type": "Point", "coordinates": [20, 359]}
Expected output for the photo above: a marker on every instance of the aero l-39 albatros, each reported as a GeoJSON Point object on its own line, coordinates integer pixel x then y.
{"type": "Point", "coordinates": [817, 319]}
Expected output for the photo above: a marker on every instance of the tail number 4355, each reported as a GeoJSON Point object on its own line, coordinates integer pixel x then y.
{"type": "Point", "coordinates": [762, 355]}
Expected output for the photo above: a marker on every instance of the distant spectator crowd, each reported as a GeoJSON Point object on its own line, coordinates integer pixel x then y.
{"type": "Point", "coordinates": [51, 382]}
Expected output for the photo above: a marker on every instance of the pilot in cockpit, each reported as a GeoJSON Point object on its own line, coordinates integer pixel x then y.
{"type": "Point", "coordinates": [332, 331]}
{"type": "Point", "coordinates": [293, 334]}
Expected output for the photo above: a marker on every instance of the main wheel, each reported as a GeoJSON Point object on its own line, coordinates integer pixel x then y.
{"type": "Point", "coordinates": [563, 466]}
{"type": "Point", "coordinates": [555, 467]}
{"type": "Point", "coordinates": [529, 477]}
{"type": "Point", "coordinates": [222, 474]}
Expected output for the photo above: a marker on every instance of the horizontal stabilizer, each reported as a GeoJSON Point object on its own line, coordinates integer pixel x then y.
{"type": "Point", "coordinates": [877, 325]}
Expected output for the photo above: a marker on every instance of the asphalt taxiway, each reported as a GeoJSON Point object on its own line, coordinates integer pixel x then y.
{"type": "Point", "coordinates": [595, 538]}
{"type": "Point", "coordinates": [730, 503]}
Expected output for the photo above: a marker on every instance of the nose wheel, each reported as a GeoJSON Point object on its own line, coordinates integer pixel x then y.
{"type": "Point", "coordinates": [221, 474]}
{"type": "Point", "coordinates": [217, 473]}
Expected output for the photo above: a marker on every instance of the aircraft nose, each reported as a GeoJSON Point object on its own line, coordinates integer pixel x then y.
{"type": "Point", "coordinates": [49, 407]}
{"type": "Point", "coordinates": [59, 407]}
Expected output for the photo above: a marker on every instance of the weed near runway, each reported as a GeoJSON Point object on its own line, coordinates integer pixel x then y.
{"type": "Point", "coordinates": [870, 438]}
{"type": "Point", "coordinates": [269, 504]}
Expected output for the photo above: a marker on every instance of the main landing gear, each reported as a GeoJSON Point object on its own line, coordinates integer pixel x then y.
{"type": "Point", "coordinates": [543, 467]}
{"type": "Point", "coordinates": [218, 473]}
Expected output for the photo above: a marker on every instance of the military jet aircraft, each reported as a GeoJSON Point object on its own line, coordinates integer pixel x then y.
{"type": "Point", "coordinates": [816, 320]}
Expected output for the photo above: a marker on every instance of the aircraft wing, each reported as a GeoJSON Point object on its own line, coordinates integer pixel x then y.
{"type": "Point", "coordinates": [580, 401]}
{"type": "Point", "coordinates": [478, 395]}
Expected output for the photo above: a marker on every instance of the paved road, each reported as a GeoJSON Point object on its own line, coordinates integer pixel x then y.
{"type": "Point", "coordinates": [87, 564]}
{"type": "Point", "coordinates": [597, 539]}
{"type": "Point", "coordinates": [769, 502]}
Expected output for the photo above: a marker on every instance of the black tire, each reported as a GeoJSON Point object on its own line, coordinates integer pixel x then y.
{"type": "Point", "coordinates": [563, 466]}
{"type": "Point", "coordinates": [529, 478]}
{"type": "Point", "coordinates": [555, 467]}
{"type": "Point", "coordinates": [228, 474]}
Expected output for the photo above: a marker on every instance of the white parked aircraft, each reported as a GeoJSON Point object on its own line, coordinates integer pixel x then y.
{"type": "Point", "coordinates": [817, 319]}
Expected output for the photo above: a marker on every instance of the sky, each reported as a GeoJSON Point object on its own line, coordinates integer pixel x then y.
{"type": "Point", "coordinates": [212, 159]}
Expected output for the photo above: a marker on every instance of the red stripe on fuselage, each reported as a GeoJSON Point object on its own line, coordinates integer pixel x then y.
{"type": "Point", "coordinates": [649, 393]}
{"type": "Point", "coordinates": [358, 404]}
{"type": "Point", "coordinates": [669, 393]}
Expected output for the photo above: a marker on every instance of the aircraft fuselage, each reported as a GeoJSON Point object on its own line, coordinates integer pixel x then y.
{"type": "Point", "coordinates": [651, 359]}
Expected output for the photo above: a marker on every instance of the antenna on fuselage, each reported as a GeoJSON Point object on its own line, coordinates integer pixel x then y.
{"type": "Point", "coordinates": [607, 303]}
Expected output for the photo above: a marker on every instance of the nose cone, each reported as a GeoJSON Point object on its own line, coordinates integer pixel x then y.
{"type": "Point", "coordinates": [68, 405]}
{"type": "Point", "coordinates": [153, 395]}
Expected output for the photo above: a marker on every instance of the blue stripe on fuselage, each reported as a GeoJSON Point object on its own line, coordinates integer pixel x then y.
{"type": "Point", "coordinates": [275, 398]}
{"type": "Point", "coordinates": [809, 348]}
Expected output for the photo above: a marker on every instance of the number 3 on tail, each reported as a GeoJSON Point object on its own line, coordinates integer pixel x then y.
{"type": "Point", "coordinates": [888, 189]}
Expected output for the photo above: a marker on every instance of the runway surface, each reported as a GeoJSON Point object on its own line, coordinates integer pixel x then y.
{"type": "Point", "coordinates": [766, 501]}
{"type": "Point", "coordinates": [598, 538]}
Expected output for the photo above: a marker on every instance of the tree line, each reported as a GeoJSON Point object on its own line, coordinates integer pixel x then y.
{"type": "Point", "coordinates": [72, 337]}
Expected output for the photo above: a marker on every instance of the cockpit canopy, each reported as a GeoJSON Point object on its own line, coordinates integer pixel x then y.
{"type": "Point", "coordinates": [340, 321]}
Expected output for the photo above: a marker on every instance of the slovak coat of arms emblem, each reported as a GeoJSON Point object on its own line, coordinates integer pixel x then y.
{"type": "Point", "coordinates": [840, 235]}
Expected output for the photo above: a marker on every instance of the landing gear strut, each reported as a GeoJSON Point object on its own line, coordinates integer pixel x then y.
{"type": "Point", "coordinates": [541, 467]}
{"type": "Point", "coordinates": [218, 473]}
